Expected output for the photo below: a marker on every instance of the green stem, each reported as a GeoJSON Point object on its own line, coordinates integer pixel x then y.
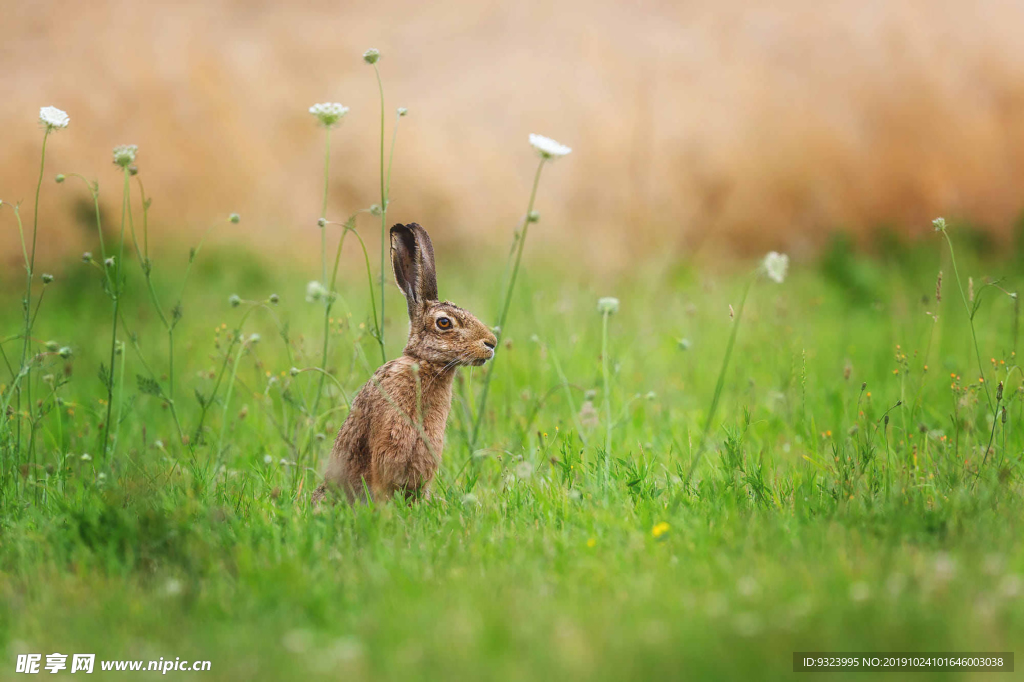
{"type": "Point", "coordinates": [227, 398]}
{"type": "Point", "coordinates": [970, 317]}
{"type": "Point", "coordinates": [31, 266]}
{"type": "Point", "coordinates": [719, 384]}
{"type": "Point", "coordinates": [116, 293]}
{"type": "Point", "coordinates": [323, 209]}
{"type": "Point", "coordinates": [383, 218]}
{"type": "Point", "coordinates": [607, 400]}
{"type": "Point", "coordinates": [500, 331]}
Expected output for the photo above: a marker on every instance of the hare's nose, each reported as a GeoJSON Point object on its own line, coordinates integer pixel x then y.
{"type": "Point", "coordinates": [490, 344]}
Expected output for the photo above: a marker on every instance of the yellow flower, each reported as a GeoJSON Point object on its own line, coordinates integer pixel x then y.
{"type": "Point", "coordinates": [591, 542]}
{"type": "Point", "coordinates": [660, 529]}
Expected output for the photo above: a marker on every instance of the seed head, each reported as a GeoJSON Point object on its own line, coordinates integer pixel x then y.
{"type": "Point", "coordinates": [608, 305]}
{"type": "Point", "coordinates": [775, 266]}
{"type": "Point", "coordinates": [53, 118]}
{"type": "Point", "coordinates": [548, 148]}
{"type": "Point", "coordinates": [315, 291]}
{"type": "Point", "coordinates": [329, 113]}
{"type": "Point", "coordinates": [999, 391]}
{"type": "Point", "coordinates": [124, 155]}
{"type": "Point", "coordinates": [47, 278]}
{"type": "Point", "coordinates": [371, 56]}
{"type": "Point", "coordinates": [235, 300]}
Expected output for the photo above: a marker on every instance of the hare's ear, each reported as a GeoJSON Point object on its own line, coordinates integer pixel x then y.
{"type": "Point", "coordinates": [412, 255]}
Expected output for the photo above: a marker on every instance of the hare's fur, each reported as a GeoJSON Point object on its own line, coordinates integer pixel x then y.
{"type": "Point", "coordinates": [394, 434]}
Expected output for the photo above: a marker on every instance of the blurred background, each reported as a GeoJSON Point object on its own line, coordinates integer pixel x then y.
{"type": "Point", "coordinates": [730, 126]}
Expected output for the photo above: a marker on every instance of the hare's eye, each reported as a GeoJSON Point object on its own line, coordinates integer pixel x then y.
{"type": "Point", "coordinates": [444, 323]}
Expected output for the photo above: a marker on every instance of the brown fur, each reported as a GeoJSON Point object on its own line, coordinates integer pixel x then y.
{"type": "Point", "coordinates": [394, 434]}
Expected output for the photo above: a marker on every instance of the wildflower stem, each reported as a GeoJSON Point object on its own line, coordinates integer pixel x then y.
{"type": "Point", "coordinates": [383, 216]}
{"type": "Point", "coordinates": [227, 397]}
{"type": "Point", "coordinates": [500, 331]}
{"type": "Point", "coordinates": [970, 317]}
{"type": "Point", "coordinates": [30, 266]}
{"type": "Point", "coordinates": [607, 399]}
{"type": "Point", "coordinates": [323, 209]}
{"type": "Point", "coordinates": [116, 293]}
{"type": "Point", "coordinates": [719, 385]}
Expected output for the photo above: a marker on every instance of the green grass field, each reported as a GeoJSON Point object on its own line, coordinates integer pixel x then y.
{"type": "Point", "coordinates": [812, 523]}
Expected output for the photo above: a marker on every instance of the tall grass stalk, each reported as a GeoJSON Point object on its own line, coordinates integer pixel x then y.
{"type": "Point", "coordinates": [118, 286]}
{"type": "Point", "coordinates": [518, 242]}
{"type": "Point", "coordinates": [30, 266]}
{"type": "Point", "coordinates": [606, 312]}
{"type": "Point", "coordinates": [713, 408]}
{"type": "Point", "coordinates": [384, 189]}
{"type": "Point", "coordinates": [940, 226]}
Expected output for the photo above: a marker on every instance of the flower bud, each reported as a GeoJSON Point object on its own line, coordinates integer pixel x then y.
{"type": "Point", "coordinates": [235, 300]}
{"type": "Point", "coordinates": [234, 218]}
{"type": "Point", "coordinates": [60, 178]}
{"type": "Point", "coordinates": [47, 278]}
{"type": "Point", "coordinates": [371, 56]}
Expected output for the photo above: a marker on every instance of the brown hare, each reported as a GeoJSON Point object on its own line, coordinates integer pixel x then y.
{"type": "Point", "coordinates": [391, 441]}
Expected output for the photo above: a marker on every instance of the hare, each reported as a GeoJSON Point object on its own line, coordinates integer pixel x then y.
{"type": "Point", "coordinates": [392, 439]}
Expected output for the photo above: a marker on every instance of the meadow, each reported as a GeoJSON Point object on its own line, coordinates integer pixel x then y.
{"type": "Point", "coordinates": [858, 488]}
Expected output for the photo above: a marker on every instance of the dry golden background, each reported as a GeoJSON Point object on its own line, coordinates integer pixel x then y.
{"type": "Point", "coordinates": [749, 125]}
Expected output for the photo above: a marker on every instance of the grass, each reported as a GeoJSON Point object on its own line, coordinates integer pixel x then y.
{"type": "Point", "coordinates": [811, 523]}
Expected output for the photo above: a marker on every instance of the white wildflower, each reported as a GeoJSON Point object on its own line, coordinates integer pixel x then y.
{"type": "Point", "coordinates": [124, 155]}
{"type": "Point", "coordinates": [315, 291]}
{"type": "Point", "coordinates": [939, 224]}
{"type": "Point", "coordinates": [775, 266]}
{"type": "Point", "coordinates": [547, 147]}
{"type": "Point", "coordinates": [371, 56]}
{"type": "Point", "coordinates": [329, 113]}
{"type": "Point", "coordinates": [267, 459]}
{"type": "Point", "coordinates": [53, 118]}
{"type": "Point", "coordinates": [608, 305]}
{"type": "Point", "coordinates": [86, 457]}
